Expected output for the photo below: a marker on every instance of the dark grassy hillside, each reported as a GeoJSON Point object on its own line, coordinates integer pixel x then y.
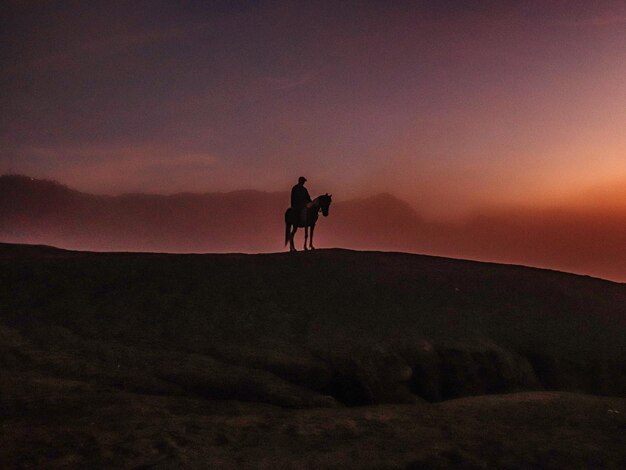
{"type": "Point", "coordinates": [296, 330]}
{"type": "Point", "coordinates": [131, 360]}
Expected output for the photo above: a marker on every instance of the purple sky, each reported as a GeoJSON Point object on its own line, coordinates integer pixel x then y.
{"type": "Point", "coordinates": [450, 105]}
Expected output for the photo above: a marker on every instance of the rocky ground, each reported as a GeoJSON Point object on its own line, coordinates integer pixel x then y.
{"type": "Point", "coordinates": [52, 423]}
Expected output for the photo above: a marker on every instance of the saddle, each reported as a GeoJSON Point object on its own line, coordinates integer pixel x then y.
{"type": "Point", "coordinates": [302, 215]}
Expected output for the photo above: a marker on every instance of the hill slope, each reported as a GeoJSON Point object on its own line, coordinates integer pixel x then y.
{"type": "Point", "coordinates": [363, 327]}
{"type": "Point", "coordinates": [142, 360]}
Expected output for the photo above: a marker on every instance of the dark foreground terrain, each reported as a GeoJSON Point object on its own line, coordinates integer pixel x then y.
{"type": "Point", "coordinates": [325, 359]}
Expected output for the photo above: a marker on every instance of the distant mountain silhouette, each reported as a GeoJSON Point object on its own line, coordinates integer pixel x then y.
{"type": "Point", "coordinates": [37, 211]}
{"type": "Point", "coordinates": [46, 212]}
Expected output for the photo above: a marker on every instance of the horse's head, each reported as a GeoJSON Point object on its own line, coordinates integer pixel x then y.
{"type": "Point", "coordinates": [325, 201]}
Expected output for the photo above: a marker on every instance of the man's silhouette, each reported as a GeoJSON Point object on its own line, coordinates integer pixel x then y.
{"type": "Point", "coordinates": [299, 200]}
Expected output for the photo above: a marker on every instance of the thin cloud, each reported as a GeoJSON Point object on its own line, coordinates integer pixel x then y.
{"type": "Point", "coordinates": [288, 83]}
{"type": "Point", "coordinates": [608, 20]}
{"type": "Point", "coordinates": [117, 164]}
{"type": "Point", "coordinates": [103, 47]}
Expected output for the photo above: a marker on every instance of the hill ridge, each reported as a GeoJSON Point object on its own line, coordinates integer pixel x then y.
{"type": "Point", "coordinates": [26, 246]}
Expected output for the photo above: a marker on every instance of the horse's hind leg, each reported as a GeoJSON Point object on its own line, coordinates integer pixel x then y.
{"type": "Point", "coordinates": [292, 247]}
{"type": "Point", "coordinates": [306, 237]}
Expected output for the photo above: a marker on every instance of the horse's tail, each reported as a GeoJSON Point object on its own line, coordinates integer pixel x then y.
{"type": "Point", "coordinates": [287, 227]}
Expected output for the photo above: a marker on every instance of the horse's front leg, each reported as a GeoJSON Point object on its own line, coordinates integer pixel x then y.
{"type": "Point", "coordinates": [306, 236]}
{"type": "Point", "coordinates": [292, 246]}
{"type": "Point", "coordinates": [311, 240]}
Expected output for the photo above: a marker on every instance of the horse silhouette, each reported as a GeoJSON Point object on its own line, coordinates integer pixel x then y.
{"type": "Point", "coordinates": [293, 220]}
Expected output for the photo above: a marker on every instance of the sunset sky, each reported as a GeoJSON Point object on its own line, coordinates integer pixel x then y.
{"type": "Point", "coordinates": [450, 105]}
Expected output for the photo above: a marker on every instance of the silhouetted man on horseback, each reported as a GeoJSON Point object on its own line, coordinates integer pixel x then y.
{"type": "Point", "coordinates": [304, 213]}
{"type": "Point", "coordinates": [299, 200]}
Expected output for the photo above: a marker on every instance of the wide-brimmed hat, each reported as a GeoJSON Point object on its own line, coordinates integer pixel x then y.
{"type": "Point", "coordinates": [302, 179]}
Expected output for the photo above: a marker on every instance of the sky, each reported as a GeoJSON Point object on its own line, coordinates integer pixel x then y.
{"type": "Point", "coordinates": [450, 105]}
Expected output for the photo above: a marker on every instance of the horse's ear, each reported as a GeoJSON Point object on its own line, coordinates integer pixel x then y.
{"type": "Point", "coordinates": [326, 194]}
{"type": "Point", "coordinates": [330, 195]}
